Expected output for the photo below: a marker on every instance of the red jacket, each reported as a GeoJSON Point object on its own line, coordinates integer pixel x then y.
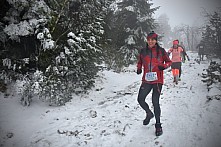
{"type": "Point", "coordinates": [150, 61]}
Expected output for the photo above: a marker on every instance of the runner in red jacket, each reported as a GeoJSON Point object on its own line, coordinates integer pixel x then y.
{"type": "Point", "coordinates": [154, 60]}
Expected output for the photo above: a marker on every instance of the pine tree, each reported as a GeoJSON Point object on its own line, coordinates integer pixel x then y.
{"type": "Point", "coordinates": [68, 62]}
{"type": "Point", "coordinates": [164, 29]}
{"type": "Point", "coordinates": [77, 31]}
{"type": "Point", "coordinates": [126, 31]}
{"type": "Point", "coordinates": [215, 21]}
{"type": "Point", "coordinates": [212, 34]}
{"type": "Point", "coordinates": [208, 38]}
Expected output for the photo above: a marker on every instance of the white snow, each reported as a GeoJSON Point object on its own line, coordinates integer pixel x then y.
{"type": "Point", "coordinates": [130, 40]}
{"type": "Point", "coordinates": [48, 44]}
{"type": "Point", "coordinates": [21, 29]}
{"type": "Point", "coordinates": [71, 34]}
{"type": "Point", "coordinates": [40, 36]}
{"type": "Point", "coordinates": [130, 8]}
{"type": "Point", "coordinates": [109, 116]}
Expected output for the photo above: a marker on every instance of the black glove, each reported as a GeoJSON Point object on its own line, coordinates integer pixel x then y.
{"type": "Point", "coordinates": [188, 58]}
{"type": "Point", "coordinates": [184, 60]}
{"type": "Point", "coordinates": [161, 67]}
{"type": "Point", "coordinates": [139, 71]}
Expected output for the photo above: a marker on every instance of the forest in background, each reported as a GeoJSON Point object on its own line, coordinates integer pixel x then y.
{"type": "Point", "coordinates": [54, 48]}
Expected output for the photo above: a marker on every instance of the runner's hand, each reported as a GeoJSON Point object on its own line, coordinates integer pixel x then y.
{"type": "Point", "coordinates": [161, 67]}
{"type": "Point", "coordinates": [139, 71]}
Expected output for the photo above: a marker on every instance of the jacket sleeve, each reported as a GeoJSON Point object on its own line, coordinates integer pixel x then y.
{"type": "Point", "coordinates": [166, 59]}
{"type": "Point", "coordinates": [139, 63]}
{"type": "Point", "coordinates": [181, 49]}
{"type": "Point", "coordinates": [184, 52]}
{"type": "Point", "coordinates": [170, 50]}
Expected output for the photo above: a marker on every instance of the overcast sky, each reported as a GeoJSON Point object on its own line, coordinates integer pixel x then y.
{"type": "Point", "coordinates": [185, 11]}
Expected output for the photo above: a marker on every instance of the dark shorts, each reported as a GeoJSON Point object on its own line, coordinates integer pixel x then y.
{"type": "Point", "coordinates": [176, 65]}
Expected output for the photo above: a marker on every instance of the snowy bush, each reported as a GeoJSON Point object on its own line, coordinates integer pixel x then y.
{"type": "Point", "coordinates": [29, 87]}
{"type": "Point", "coordinates": [213, 74]}
{"type": "Point", "coordinates": [21, 29]}
{"type": "Point", "coordinates": [55, 88]}
{"type": "Point", "coordinates": [52, 89]}
{"type": "Point", "coordinates": [3, 85]}
{"type": "Point", "coordinates": [24, 88]}
{"type": "Point", "coordinates": [43, 34]}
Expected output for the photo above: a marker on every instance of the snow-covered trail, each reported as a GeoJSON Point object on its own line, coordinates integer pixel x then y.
{"type": "Point", "coordinates": [191, 122]}
{"type": "Point", "coordinates": [109, 116]}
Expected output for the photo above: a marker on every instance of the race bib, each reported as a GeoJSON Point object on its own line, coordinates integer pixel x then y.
{"type": "Point", "coordinates": [151, 76]}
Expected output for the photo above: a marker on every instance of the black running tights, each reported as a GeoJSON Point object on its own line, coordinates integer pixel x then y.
{"type": "Point", "coordinates": [144, 90]}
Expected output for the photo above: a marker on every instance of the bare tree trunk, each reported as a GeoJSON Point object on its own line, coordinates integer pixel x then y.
{"type": "Point", "coordinates": [188, 36]}
{"type": "Point", "coordinates": [192, 38]}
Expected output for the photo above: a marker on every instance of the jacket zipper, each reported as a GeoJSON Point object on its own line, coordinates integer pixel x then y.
{"type": "Point", "coordinates": [150, 60]}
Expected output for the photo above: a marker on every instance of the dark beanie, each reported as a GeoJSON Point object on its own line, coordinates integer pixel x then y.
{"type": "Point", "coordinates": [152, 35]}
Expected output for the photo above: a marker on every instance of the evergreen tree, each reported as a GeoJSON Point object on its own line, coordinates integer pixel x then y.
{"type": "Point", "coordinates": [164, 29]}
{"type": "Point", "coordinates": [77, 50]}
{"type": "Point", "coordinates": [212, 34]}
{"type": "Point", "coordinates": [125, 31]}
{"type": "Point", "coordinates": [68, 62]}
{"type": "Point", "coordinates": [19, 46]}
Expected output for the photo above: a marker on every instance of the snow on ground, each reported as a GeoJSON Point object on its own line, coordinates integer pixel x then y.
{"type": "Point", "coordinates": [109, 116]}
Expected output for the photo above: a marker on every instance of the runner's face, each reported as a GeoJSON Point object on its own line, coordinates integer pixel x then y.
{"type": "Point", "coordinates": [151, 42]}
{"type": "Point", "coordinates": [175, 46]}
